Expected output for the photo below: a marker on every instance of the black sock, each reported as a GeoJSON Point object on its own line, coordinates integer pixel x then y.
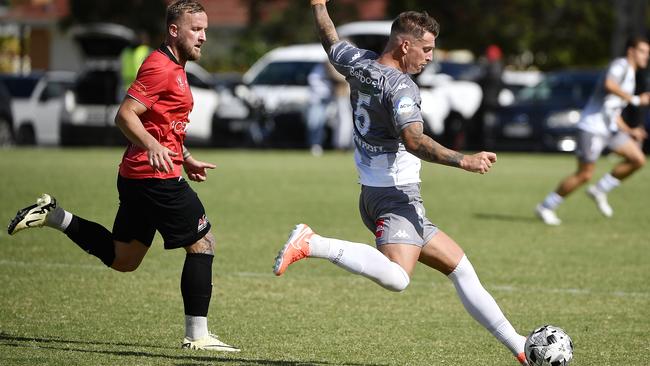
{"type": "Point", "coordinates": [196, 283]}
{"type": "Point", "coordinates": [92, 238]}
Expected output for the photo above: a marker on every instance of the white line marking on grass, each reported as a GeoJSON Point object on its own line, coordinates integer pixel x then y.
{"type": "Point", "coordinates": [503, 288]}
{"type": "Point", "coordinates": [50, 265]}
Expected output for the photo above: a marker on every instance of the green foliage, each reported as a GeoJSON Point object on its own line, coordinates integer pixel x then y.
{"type": "Point", "coordinates": [558, 33]}
{"type": "Point", "coordinates": [61, 306]}
{"type": "Point", "coordinates": [140, 15]}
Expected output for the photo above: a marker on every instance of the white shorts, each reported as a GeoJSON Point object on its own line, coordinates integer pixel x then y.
{"type": "Point", "coordinates": [590, 145]}
{"type": "Point", "coordinates": [396, 215]}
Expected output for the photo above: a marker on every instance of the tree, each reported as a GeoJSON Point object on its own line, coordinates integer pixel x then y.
{"type": "Point", "coordinates": [139, 15]}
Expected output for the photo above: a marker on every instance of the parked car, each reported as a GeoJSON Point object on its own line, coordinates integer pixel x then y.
{"type": "Point", "coordinates": [6, 117]}
{"type": "Point", "coordinates": [37, 103]}
{"type": "Point", "coordinates": [92, 103]}
{"type": "Point", "coordinates": [542, 117]}
{"type": "Point", "coordinates": [277, 84]}
{"type": "Point", "coordinates": [276, 88]}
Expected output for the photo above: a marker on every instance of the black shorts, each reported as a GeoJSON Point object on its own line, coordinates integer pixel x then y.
{"type": "Point", "coordinates": [167, 205]}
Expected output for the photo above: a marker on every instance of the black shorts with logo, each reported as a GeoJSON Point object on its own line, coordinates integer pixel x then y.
{"type": "Point", "coordinates": [167, 205]}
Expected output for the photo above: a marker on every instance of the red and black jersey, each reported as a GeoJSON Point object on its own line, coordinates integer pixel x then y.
{"type": "Point", "coordinates": [161, 86]}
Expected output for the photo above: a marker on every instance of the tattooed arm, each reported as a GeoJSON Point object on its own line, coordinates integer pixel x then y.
{"type": "Point", "coordinates": [324, 24]}
{"type": "Point", "coordinates": [425, 148]}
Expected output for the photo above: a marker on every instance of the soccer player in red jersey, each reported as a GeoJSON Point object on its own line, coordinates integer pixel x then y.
{"type": "Point", "coordinates": [153, 194]}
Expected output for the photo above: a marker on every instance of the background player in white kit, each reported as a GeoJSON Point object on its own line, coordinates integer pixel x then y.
{"type": "Point", "coordinates": [600, 127]}
{"type": "Point", "coordinates": [389, 143]}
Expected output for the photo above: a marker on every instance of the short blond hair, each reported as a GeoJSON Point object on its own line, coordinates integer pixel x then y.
{"type": "Point", "coordinates": [176, 9]}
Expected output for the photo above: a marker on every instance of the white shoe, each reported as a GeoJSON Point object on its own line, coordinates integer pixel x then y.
{"type": "Point", "coordinates": [32, 216]}
{"type": "Point", "coordinates": [547, 215]}
{"type": "Point", "coordinates": [601, 201]}
{"type": "Point", "coordinates": [209, 343]}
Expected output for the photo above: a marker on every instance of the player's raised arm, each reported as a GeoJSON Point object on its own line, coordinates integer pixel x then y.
{"type": "Point", "coordinates": [426, 148]}
{"type": "Point", "coordinates": [326, 29]}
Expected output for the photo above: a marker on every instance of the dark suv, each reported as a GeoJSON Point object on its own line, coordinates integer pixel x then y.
{"type": "Point", "coordinates": [543, 117]}
{"type": "Point", "coordinates": [6, 117]}
{"type": "Point", "coordinates": [92, 103]}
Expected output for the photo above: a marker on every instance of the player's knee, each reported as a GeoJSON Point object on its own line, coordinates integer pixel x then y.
{"type": "Point", "coordinates": [125, 265]}
{"type": "Point", "coordinates": [124, 268]}
{"type": "Point", "coordinates": [638, 161]}
{"type": "Point", "coordinates": [205, 245]}
{"type": "Point", "coordinates": [585, 176]}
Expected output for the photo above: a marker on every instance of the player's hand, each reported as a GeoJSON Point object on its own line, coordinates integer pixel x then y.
{"type": "Point", "coordinates": [480, 162]}
{"type": "Point", "coordinates": [160, 158]}
{"type": "Point", "coordinates": [644, 98]}
{"type": "Point", "coordinates": [196, 170]}
{"type": "Point", "coordinates": [638, 134]}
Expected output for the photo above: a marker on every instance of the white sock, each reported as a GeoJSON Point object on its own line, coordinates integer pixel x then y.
{"type": "Point", "coordinates": [482, 307]}
{"type": "Point", "coordinates": [552, 200]}
{"type": "Point", "coordinates": [58, 219]}
{"type": "Point", "coordinates": [607, 183]}
{"type": "Point", "coordinates": [360, 259]}
{"type": "Point", "coordinates": [196, 327]}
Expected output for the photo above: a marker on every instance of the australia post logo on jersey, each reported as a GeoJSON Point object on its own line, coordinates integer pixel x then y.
{"type": "Point", "coordinates": [405, 105]}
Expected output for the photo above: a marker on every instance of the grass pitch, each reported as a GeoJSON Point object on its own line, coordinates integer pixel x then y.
{"type": "Point", "coordinates": [61, 306]}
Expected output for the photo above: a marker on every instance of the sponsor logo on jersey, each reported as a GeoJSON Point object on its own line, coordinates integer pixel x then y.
{"type": "Point", "coordinates": [182, 84]}
{"type": "Point", "coordinates": [401, 234]}
{"type": "Point", "coordinates": [405, 105]}
{"type": "Point", "coordinates": [379, 231]}
{"type": "Point", "coordinates": [402, 86]}
{"type": "Point", "coordinates": [203, 222]}
{"type": "Point", "coordinates": [363, 79]}
{"type": "Point", "coordinates": [366, 146]}
{"type": "Point", "coordinates": [179, 126]}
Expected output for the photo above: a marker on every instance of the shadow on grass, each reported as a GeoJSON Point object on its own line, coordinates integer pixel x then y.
{"type": "Point", "coordinates": [178, 355]}
{"type": "Point", "coordinates": [504, 217]}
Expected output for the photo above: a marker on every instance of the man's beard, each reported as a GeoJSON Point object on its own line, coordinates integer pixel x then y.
{"type": "Point", "coordinates": [188, 53]}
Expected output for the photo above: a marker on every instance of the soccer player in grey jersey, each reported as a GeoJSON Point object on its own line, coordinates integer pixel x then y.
{"type": "Point", "coordinates": [600, 127]}
{"type": "Point", "coordinates": [389, 144]}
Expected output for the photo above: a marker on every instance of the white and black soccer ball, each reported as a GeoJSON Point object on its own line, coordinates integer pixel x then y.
{"type": "Point", "coordinates": [548, 346]}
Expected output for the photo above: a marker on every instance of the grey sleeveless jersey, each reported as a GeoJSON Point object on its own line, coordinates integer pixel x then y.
{"type": "Point", "coordinates": [384, 101]}
{"type": "Point", "coordinates": [603, 109]}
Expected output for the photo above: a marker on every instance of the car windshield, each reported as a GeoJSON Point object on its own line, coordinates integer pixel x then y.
{"type": "Point", "coordinates": [98, 87]}
{"type": "Point", "coordinates": [284, 73]}
{"type": "Point", "coordinates": [560, 87]}
{"type": "Point", "coordinates": [20, 86]}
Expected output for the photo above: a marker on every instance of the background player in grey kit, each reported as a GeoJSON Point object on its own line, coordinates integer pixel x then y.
{"type": "Point", "coordinates": [600, 127]}
{"type": "Point", "coordinates": [389, 143]}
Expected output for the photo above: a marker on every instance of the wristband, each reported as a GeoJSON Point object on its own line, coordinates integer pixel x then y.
{"type": "Point", "coordinates": [635, 100]}
{"type": "Point", "coordinates": [186, 154]}
{"type": "Point", "coordinates": [318, 2]}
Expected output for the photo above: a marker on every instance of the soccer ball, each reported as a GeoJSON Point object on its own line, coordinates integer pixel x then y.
{"type": "Point", "coordinates": [548, 346]}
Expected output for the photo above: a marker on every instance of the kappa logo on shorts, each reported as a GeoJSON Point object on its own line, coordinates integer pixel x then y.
{"type": "Point", "coordinates": [203, 222]}
{"type": "Point", "coordinates": [379, 231]}
{"type": "Point", "coordinates": [401, 234]}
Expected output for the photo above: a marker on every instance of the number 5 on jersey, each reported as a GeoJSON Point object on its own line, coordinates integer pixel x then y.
{"type": "Point", "coordinates": [361, 116]}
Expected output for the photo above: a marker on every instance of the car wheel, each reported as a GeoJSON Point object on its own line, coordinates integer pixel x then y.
{"type": "Point", "coordinates": [6, 133]}
{"type": "Point", "coordinates": [26, 135]}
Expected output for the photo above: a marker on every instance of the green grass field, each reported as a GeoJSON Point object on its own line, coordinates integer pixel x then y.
{"type": "Point", "coordinates": [61, 306]}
